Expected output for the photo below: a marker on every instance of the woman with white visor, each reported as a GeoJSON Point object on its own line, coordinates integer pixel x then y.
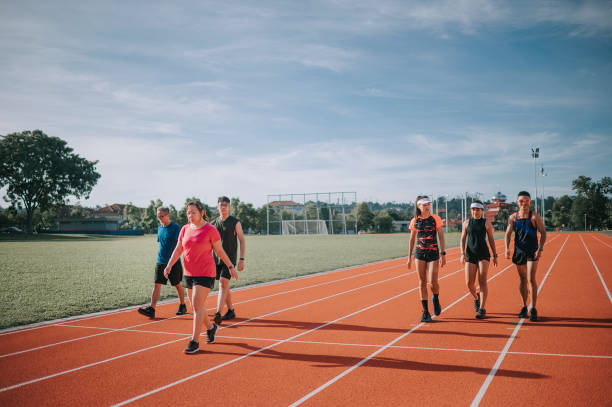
{"type": "Point", "coordinates": [475, 255]}
{"type": "Point", "coordinates": [424, 226]}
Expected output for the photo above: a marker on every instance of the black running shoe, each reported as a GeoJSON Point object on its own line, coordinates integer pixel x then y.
{"type": "Point", "coordinates": [182, 310]}
{"type": "Point", "coordinates": [148, 311]}
{"type": "Point", "coordinates": [210, 334]}
{"type": "Point", "coordinates": [217, 318]}
{"type": "Point", "coordinates": [426, 317]}
{"type": "Point", "coordinates": [534, 315]}
{"type": "Point", "coordinates": [523, 313]}
{"type": "Point", "coordinates": [193, 347]}
{"type": "Point", "coordinates": [477, 303]}
{"type": "Point", "coordinates": [230, 314]}
{"type": "Point", "coordinates": [436, 305]}
{"type": "Point", "coordinates": [481, 313]}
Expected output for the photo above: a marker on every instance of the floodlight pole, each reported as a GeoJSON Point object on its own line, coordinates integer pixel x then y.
{"type": "Point", "coordinates": [446, 211]}
{"type": "Point", "coordinates": [535, 153]}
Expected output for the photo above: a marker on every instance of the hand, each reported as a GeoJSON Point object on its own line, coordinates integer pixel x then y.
{"type": "Point", "coordinates": [462, 259]}
{"type": "Point", "coordinates": [495, 261]}
{"type": "Point", "coordinates": [409, 262]}
{"type": "Point", "coordinates": [507, 253]}
{"type": "Point", "coordinates": [442, 260]}
{"type": "Point", "coordinates": [167, 271]}
{"type": "Point", "coordinates": [233, 272]}
{"type": "Point", "coordinates": [241, 265]}
{"type": "Point", "coordinates": [537, 254]}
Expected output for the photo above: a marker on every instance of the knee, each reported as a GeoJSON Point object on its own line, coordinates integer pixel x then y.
{"type": "Point", "coordinates": [423, 283]}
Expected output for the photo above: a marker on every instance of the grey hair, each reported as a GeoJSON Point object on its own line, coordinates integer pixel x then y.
{"type": "Point", "coordinates": [163, 209]}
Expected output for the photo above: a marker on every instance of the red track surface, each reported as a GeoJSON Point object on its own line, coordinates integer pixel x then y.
{"type": "Point", "coordinates": [350, 336]}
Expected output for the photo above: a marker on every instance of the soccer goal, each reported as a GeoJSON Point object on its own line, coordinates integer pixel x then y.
{"type": "Point", "coordinates": [304, 227]}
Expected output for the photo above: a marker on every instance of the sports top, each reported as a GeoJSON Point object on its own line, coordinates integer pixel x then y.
{"type": "Point", "coordinates": [426, 232]}
{"type": "Point", "coordinates": [197, 250]}
{"type": "Point", "coordinates": [476, 238]}
{"type": "Point", "coordinates": [525, 235]}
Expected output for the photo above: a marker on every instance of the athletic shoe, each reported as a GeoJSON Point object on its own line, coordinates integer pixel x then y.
{"type": "Point", "coordinates": [523, 313]}
{"type": "Point", "coordinates": [436, 304]}
{"type": "Point", "coordinates": [182, 310]}
{"type": "Point", "coordinates": [477, 303]}
{"type": "Point", "coordinates": [193, 347]}
{"type": "Point", "coordinates": [534, 315]}
{"type": "Point", "coordinates": [218, 318]}
{"type": "Point", "coordinates": [481, 313]}
{"type": "Point", "coordinates": [148, 311]}
{"type": "Point", "coordinates": [210, 334]}
{"type": "Point", "coordinates": [229, 315]}
{"type": "Point", "coordinates": [426, 316]}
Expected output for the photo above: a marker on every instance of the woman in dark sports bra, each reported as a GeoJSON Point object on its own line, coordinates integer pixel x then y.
{"type": "Point", "coordinates": [475, 255]}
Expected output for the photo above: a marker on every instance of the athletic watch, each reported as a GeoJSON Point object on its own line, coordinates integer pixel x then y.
{"type": "Point", "coordinates": [242, 258]}
{"type": "Point", "coordinates": [443, 252]}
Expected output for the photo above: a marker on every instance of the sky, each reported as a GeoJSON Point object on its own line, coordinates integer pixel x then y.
{"type": "Point", "coordinates": [388, 99]}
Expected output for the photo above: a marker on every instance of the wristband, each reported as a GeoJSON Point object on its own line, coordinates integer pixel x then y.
{"type": "Point", "coordinates": [242, 258]}
{"type": "Point", "coordinates": [443, 252]}
{"type": "Point", "coordinates": [495, 255]}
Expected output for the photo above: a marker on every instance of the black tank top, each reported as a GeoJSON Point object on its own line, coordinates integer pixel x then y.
{"type": "Point", "coordinates": [229, 239]}
{"type": "Point", "coordinates": [525, 235]}
{"type": "Point", "coordinates": [426, 236]}
{"type": "Point", "coordinates": [476, 238]}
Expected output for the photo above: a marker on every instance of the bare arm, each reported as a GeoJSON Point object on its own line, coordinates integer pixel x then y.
{"type": "Point", "coordinates": [240, 235]}
{"type": "Point", "coordinates": [411, 248]}
{"type": "Point", "coordinates": [178, 250]}
{"type": "Point", "coordinates": [463, 240]}
{"type": "Point", "coordinates": [508, 235]}
{"type": "Point", "coordinates": [540, 226]}
{"type": "Point", "coordinates": [442, 246]}
{"type": "Point", "coordinates": [223, 256]}
{"type": "Point", "coordinates": [491, 241]}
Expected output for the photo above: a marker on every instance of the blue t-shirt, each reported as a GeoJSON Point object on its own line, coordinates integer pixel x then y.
{"type": "Point", "coordinates": [167, 236]}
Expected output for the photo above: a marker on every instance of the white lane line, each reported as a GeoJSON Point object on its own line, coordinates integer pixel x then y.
{"type": "Point", "coordinates": [498, 362]}
{"type": "Point", "coordinates": [167, 343]}
{"type": "Point", "coordinates": [597, 269]}
{"type": "Point", "coordinates": [166, 319]}
{"type": "Point", "coordinates": [381, 349]}
{"type": "Point", "coordinates": [272, 345]}
{"type": "Point", "coordinates": [596, 238]}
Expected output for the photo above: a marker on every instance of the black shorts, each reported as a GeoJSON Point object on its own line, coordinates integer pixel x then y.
{"type": "Point", "coordinates": [203, 281]}
{"type": "Point", "coordinates": [475, 258]}
{"type": "Point", "coordinates": [520, 258]}
{"type": "Point", "coordinates": [223, 271]}
{"type": "Point", "coordinates": [427, 256]}
{"type": "Point", "coordinates": [175, 276]}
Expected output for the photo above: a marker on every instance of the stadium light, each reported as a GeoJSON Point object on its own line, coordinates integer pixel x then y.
{"type": "Point", "coordinates": [535, 153]}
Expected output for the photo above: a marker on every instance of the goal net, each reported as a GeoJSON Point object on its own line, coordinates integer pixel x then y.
{"type": "Point", "coordinates": [304, 227]}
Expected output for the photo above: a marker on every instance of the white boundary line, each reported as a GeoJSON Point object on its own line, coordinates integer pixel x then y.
{"type": "Point", "coordinates": [491, 375]}
{"type": "Point", "coordinates": [272, 345]}
{"type": "Point", "coordinates": [188, 335]}
{"type": "Point", "coordinates": [596, 238]}
{"type": "Point", "coordinates": [381, 349]}
{"type": "Point", "coordinates": [597, 269]}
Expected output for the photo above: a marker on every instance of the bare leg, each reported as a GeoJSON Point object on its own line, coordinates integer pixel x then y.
{"type": "Point", "coordinates": [422, 273]}
{"type": "Point", "coordinates": [181, 292]}
{"type": "Point", "coordinates": [225, 296]}
{"type": "Point", "coordinates": [433, 277]}
{"type": "Point", "coordinates": [522, 272]}
{"type": "Point", "coordinates": [199, 310]}
{"type": "Point", "coordinates": [483, 269]}
{"type": "Point", "coordinates": [155, 294]}
{"type": "Point", "coordinates": [533, 284]}
{"type": "Point", "coordinates": [470, 278]}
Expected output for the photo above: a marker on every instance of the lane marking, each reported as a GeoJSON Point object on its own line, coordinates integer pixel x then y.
{"type": "Point", "coordinates": [491, 375]}
{"type": "Point", "coordinates": [596, 238]}
{"type": "Point", "coordinates": [274, 344]}
{"type": "Point", "coordinates": [597, 269]}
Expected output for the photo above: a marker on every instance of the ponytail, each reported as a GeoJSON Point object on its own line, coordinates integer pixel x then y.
{"type": "Point", "coordinates": [200, 207]}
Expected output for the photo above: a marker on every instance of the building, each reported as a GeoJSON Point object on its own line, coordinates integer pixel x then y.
{"type": "Point", "coordinates": [499, 203]}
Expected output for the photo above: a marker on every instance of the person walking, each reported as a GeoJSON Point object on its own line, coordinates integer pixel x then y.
{"type": "Point", "coordinates": [196, 242]}
{"type": "Point", "coordinates": [525, 224]}
{"type": "Point", "coordinates": [230, 230]}
{"type": "Point", "coordinates": [426, 230]}
{"type": "Point", "coordinates": [167, 236]}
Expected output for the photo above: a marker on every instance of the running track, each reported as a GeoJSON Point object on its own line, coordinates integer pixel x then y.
{"type": "Point", "coordinates": [348, 336]}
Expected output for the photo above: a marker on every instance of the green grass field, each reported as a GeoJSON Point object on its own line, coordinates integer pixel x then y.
{"type": "Point", "coordinates": [56, 276]}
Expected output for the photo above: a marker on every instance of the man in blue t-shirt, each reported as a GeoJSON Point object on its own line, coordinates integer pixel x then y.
{"type": "Point", "coordinates": [167, 236]}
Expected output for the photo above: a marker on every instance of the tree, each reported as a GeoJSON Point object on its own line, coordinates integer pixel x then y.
{"type": "Point", "coordinates": [41, 171]}
{"type": "Point", "coordinates": [383, 222]}
{"type": "Point", "coordinates": [149, 218]}
{"type": "Point", "coordinates": [561, 212]}
{"type": "Point", "coordinates": [365, 217]}
{"type": "Point", "coordinates": [592, 200]}
{"type": "Point", "coordinates": [133, 215]}
{"type": "Point", "coordinates": [501, 219]}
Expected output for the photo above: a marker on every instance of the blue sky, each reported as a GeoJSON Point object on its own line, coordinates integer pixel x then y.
{"type": "Point", "coordinates": [385, 98]}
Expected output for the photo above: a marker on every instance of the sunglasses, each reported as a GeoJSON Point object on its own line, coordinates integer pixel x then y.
{"type": "Point", "coordinates": [524, 200]}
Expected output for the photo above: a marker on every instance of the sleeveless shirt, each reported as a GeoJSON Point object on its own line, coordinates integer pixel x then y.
{"type": "Point", "coordinates": [227, 230]}
{"type": "Point", "coordinates": [476, 238]}
{"type": "Point", "coordinates": [525, 235]}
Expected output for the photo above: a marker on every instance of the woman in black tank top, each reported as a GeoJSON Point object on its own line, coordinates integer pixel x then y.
{"type": "Point", "coordinates": [475, 255]}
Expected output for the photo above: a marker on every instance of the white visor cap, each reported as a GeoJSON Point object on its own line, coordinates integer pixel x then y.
{"type": "Point", "coordinates": [423, 201]}
{"type": "Point", "coordinates": [476, 205]}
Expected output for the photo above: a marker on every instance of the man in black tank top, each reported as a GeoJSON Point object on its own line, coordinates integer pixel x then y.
{"type": "Point", "coordinates": [527, 252]}
{"type": "Point", "coordinates": [231, 232]}
{"type": "Point", "coordinates": [475, 255]}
